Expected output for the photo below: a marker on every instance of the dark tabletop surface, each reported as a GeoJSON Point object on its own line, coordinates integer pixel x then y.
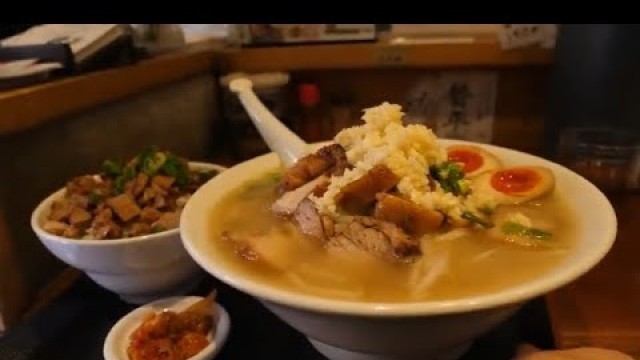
{"type": "Point", "coordinates": [75, 325]}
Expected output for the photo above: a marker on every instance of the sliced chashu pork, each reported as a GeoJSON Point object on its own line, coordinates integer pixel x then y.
{"type": "Point", "coordinates": [311, 223]}
{"type": "Point", "coordinates": [356, 196]}
{"type": "Point", "coordinates": [376, 237]}
{"type": "Point", "coordinates": [414, 219]}
{"type": "Point", "coordinates": [287, 204]}
{"type": "Point", "coordinates": [331, 160]}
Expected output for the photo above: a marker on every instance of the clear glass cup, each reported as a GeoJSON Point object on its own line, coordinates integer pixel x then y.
{"type": "Point", "coordinates": [608, 157]}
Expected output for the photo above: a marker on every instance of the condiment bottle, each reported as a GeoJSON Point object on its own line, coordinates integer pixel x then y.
{"type": "Point", "coordinates": [341, 112]}
{"type": "Point", "coordinates": [312, 124]}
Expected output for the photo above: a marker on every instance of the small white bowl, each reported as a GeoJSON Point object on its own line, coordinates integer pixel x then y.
{"type": "Point", "coordinates": [117, 341]}
{"type": "Point", "coordinates": [139, 269]}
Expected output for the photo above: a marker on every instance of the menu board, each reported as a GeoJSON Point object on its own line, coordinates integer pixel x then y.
{"type": "Point", "coordinates": [456, 105]}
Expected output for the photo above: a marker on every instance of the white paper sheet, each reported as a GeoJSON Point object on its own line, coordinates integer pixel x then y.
{"type": "Point", "coordinates": [80, 37]}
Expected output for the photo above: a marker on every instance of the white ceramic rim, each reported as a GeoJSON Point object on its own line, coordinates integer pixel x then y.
{"type": "Point", "coordinates": [46, 204]}
{"type": "Point", "coordinates": [223, 326]}
{"type": "Point", "coordinates": [509, 296]}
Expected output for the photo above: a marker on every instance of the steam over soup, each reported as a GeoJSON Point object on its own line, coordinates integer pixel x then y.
{"type": "Point", "coordinates": [385, 213]}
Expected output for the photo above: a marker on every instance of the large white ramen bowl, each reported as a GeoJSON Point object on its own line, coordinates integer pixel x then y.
{"type": "Point", "coordinates": [139, 269]}
{"type": "Point", "coordinates": [420, 330]}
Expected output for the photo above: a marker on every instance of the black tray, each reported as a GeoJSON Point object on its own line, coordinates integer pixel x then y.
{"type": "Point", "coordinates": [75, 325]}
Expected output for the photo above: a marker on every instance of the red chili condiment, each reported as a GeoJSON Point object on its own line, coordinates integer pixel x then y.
{"type": "Point", "coordinates": [170, 336]}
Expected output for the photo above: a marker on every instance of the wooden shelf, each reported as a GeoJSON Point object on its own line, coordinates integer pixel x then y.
{"type": "Point", "coordinates": [27, 107]}
{"type": "Point", "coordinates": [483, 51]}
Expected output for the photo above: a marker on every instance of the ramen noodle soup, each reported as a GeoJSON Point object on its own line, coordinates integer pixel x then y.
{"type": "Point", "coordinates": [386, 213]}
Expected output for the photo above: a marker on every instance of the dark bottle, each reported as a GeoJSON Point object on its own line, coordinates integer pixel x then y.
{"type": "Point", "coordinates": [342, 112]}
{"type": "Point", "coordinates": [312, 129]}
{"type": "Point", "coordinates": [594, 114]}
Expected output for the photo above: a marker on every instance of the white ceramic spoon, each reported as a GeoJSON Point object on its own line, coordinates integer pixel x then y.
{"type": "Point", "coordinates": [282, 141]}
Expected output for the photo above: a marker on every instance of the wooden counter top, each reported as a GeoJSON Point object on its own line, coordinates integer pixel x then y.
{"type": "Point", "coordinates": [27, 107]}
{"type": "Point", "coordinates": [483, 51]}
{"type": "Point", "coordinates": [603, 307]}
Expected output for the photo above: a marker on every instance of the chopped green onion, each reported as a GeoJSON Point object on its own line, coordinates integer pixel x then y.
{"type": "Point", "coordinates": [468, 215]}
{"type": "Point", "coordinates": [143, 156]}
{"type": "Point", "coordinates": [176, 168]}
{"type": "Point", "coordinates": [153, 163]}
{"type": "Point", "coordinates": [128, 174]}
{"type": "Point", "coordinates": [450, 176]}
{"type": "Point", "coordinates": [487, 210]}
{"type": "Point", "coordinates": [460, 187]}
{"type": "Point", "coordinates": [112, 168]}
{"type": "Point", "coordinates": [513, 228]}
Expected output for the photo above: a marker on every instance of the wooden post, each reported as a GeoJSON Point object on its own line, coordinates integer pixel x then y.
{"type": "Point", "coordinates": [13, 297]}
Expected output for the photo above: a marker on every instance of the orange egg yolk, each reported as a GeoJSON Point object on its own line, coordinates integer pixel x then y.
{"type": "Point", "coordinates": [514, 181]}
{"type": "Point", "coordinates": [470, 160]}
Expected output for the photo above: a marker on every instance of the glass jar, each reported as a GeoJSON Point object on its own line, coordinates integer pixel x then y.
{"type": "Point", "coordinates": [607, 157]}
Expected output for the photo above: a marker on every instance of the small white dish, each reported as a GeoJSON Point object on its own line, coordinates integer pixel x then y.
{"type": "Point", "coordinates": [117, 341]}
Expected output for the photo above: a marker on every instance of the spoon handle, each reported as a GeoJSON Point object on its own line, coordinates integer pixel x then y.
{"type": "Point", "coordinates": [278, 137]}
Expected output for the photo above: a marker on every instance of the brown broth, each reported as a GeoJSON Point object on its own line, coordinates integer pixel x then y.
{"type": "Point", "coordinates": [472, 265]}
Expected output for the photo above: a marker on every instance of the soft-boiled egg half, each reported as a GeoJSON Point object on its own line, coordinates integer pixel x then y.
{"type": "Point", "coordinates": [473, 159]}
{"type": "Point", "coordinates": [514, 185]}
